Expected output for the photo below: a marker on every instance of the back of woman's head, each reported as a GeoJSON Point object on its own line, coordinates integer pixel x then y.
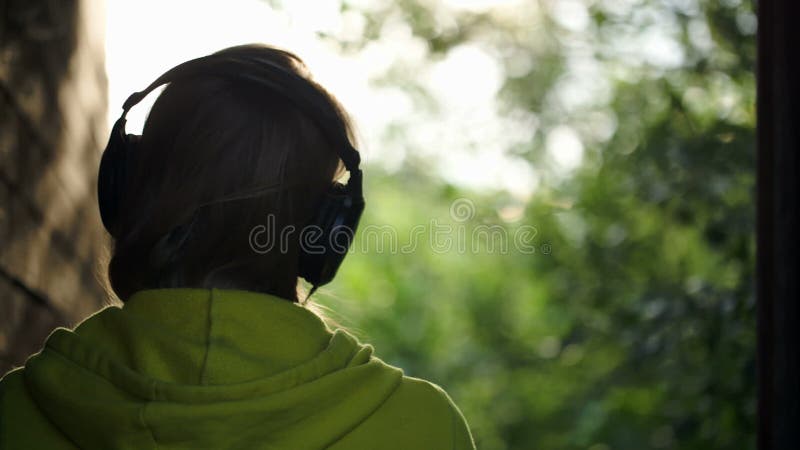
{"type": "Point", "coordinates": [208, 137]}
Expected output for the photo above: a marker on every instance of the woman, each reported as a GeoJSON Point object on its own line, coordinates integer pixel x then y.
{"type": "Point", "coordinates": [212, 347]}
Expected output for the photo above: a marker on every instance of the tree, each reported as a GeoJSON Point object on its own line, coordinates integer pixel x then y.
{"type": "Point", "coordinates": [631, 322]}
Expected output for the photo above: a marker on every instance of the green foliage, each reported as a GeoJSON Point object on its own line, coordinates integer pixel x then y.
{"type": "Point", "coordinates": [630, 324]}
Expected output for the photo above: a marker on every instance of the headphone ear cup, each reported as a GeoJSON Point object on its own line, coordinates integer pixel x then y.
{"type": "Point", "coordinates": [326, 239]}
{"type": "Point", "coordinates": [112, 175]}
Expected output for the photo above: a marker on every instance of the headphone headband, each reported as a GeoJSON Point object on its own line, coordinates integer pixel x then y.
{"type": "Point", "coordinates": [271, 75]}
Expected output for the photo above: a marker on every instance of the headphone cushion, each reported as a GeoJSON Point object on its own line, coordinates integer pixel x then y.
{"type": "Point", "coordinates": [325, 241]}
{"type": "Point", "coordinates": [112, 175]}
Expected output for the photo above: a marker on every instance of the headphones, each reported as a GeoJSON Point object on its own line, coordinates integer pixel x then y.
{"type": "Point", "coordinates": [326, 238]}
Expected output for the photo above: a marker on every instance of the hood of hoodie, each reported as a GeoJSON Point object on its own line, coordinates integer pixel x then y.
{"type": "Point", "coordinates": [207, 368]}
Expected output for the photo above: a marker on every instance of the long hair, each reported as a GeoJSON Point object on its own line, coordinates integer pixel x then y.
{"type": "Point", "coordinates": [206, 138]}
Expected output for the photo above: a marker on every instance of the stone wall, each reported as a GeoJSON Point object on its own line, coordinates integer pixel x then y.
{"type": "Point", "coordinates": [53, 99]}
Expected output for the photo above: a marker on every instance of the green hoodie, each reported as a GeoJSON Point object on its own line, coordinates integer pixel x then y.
{"type": "Point", "coordinates": [218, 369]}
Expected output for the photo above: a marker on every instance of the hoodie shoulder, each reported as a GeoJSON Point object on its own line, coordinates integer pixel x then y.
{"type": "Point", "coordinates": [419, 414]}
{"type": "Point", "coordinates": [461, 435]}
{"type": "Point", "coordinates": [22, 424]}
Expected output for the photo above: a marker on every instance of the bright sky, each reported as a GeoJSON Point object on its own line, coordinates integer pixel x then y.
{"type": "Point", "coordinates": [466, 142]}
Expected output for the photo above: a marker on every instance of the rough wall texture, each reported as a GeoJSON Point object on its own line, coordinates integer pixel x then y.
{"type": "Point", "coordinates": [52, 128]}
